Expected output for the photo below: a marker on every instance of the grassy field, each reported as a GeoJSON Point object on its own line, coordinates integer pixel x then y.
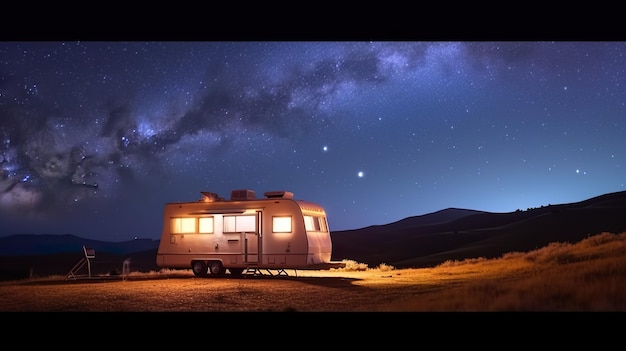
{"type": "Point", "coordinates": [586, 276]}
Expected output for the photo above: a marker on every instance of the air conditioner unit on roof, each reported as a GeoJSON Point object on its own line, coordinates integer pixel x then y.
{"type": "Point", "coordinates": [246, 194]}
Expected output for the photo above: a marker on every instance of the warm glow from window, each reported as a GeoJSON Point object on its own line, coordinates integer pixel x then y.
{"type": "Point", "coordinates": [183, 225]}
{"type": "Point", "coordinates": [281, 224]}
{"type": "Point", "coordinates": [310, 223]}
{"type": "Point", "coordinates": [205, 225]}
{"type": "Point", "coordinates": [315, 224]}
{"type": "Point", "coordinates": [323, 224]}
{"type": "Point", "coordinates": [238, 224]}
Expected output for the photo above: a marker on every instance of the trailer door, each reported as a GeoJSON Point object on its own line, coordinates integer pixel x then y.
{"type": "Point", "coordinates": [251, 241]}
{"type": "Point", "coordinates": [251, 247]}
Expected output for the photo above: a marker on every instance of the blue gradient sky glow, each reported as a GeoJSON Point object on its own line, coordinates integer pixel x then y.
{"type": "Point", "coordinates": [98, 136]}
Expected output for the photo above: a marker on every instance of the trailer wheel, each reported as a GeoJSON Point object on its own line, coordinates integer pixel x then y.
{"type": "Point", "coordinates": [199, 268]}
{"type": "Point", "coordinates": [216, 268]}
{"type": "Point", "coordinates": [235, 271]}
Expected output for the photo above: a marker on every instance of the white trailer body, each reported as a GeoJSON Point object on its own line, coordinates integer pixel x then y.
{"type": "Point", "coordinates": [213, 235]}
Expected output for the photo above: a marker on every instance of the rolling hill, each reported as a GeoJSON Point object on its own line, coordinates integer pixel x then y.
{"type": "Point", "coordinates": [456, 234]}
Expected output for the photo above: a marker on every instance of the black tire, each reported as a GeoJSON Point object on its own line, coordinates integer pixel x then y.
{"type": "Point", "coordinates": [199, 268]}
{"type": "Point", "coordinates": [216, 268]}
{"type": "Point", "coordinates": [235, 271]}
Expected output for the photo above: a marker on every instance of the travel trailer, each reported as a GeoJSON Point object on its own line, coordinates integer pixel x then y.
{"type": "Point", "coordinates": [213, 235]}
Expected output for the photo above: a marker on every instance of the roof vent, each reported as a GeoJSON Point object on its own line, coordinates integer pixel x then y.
{"type": "Point", "coordinates": [279, 194]}
{"type": "Point", "coordinates": [238, 195]}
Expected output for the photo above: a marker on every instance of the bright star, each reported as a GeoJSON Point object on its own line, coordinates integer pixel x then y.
{"type": "Point", "coordinates": [360, 174]}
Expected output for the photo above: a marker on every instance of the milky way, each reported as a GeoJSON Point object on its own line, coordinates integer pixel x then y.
{"type": "Point", "coordinates": [98, 136]}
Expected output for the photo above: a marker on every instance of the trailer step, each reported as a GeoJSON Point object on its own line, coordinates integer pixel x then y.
{"type": "Point", "coordinates": [254, 271]}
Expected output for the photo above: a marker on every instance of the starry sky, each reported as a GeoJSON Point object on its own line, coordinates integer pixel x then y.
{"type": "Point", "coordinates": [97, 136]}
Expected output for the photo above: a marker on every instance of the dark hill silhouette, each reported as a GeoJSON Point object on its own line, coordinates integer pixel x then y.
{"type": "Point", "coordinates": [21, 267]}
{"type": "Point", "coordinates": [27, 255]}
{"type": "Point", "coordinates": [419, 241]}
{"type": "Point", "coordinates": [42, 244]}
{"type": "Point", "coordinates": [458, 234]}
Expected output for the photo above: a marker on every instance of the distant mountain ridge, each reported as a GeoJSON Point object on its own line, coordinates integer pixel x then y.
{"type": "Point", "coordinates": [45, 244]}
{"type": "Point", "coordinates": [456, 234]}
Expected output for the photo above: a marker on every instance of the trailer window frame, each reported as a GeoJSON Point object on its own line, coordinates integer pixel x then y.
{"type": "Point", "coordinates": [315, 223]}
{"type": "Point", "coordinates": [183, 225]}
{"type": "Point", "coordinates": [206, 225]}
{"type": "Point", "coordinates": [239, 223]}
{"type": "Point", "coordinates": [282, 224]}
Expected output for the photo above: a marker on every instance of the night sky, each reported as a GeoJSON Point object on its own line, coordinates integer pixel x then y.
{"type": "Point", "coordinates": [98, 136]}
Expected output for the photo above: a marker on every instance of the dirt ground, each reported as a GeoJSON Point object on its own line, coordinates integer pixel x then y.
{"type": "Point", "coordinates": [306, 291]}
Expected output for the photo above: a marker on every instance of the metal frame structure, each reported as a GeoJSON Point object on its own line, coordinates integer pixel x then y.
{"type": "Point", "coordinates": [90, 254]}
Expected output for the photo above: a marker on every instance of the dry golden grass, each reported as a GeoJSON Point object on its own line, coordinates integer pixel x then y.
{"type": "Point", "coordinates": [586, 276]}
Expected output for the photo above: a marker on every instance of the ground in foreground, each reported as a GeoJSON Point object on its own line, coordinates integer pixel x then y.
{"type": "Point", "coordinates": [586, 276]}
